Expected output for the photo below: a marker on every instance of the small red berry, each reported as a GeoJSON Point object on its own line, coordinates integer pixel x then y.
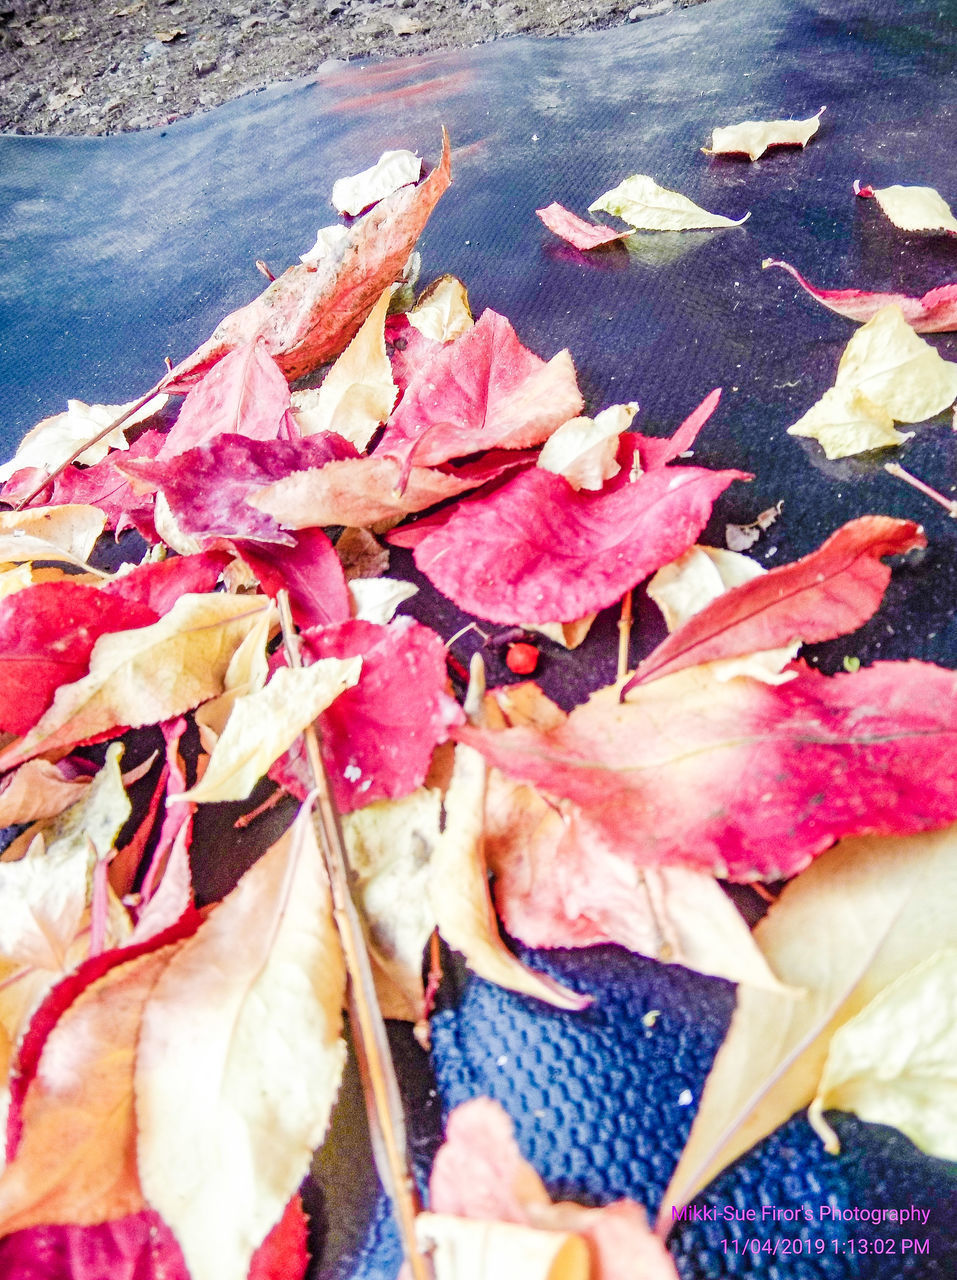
{"type": "Point", "coordinates": [521, 658]}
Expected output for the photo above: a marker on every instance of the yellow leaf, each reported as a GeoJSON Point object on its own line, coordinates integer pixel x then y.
{"type": "Point", "coordinates": [887, 373]}
{"type": "Point", "coordinates": [641, 203]}
{"type": "Point", "coordinates": [897, 369]}
{"type": "Point", "coordinates": [583, 449]}
{"type": "Point", "coordinates": [896, 1062]}
{"type": "Point", "coordinates": [844, 422]}
{"type": "Point", "coordinates": [753, 137]}
{"type": "Point", "coordinates": [357, 394]}
{"type": "Point", "coordinates": [239, 1059]}
{"type": "Point", "coordinates": [915, 208]}
{"type": "Point", "coordinates": [247, 672]}
{"type": "Point", "coordinates": [145, 675]}
{"type": "Point", "coordinates": [860, 916]}
{"type": "Point", "coordinates": [442, 311]}
{"type": "Point", "coordinates": [52, 441]}
{"type": "Point", "coordinates": [264, 724]}
{"type": "Point", "coordinates": [330, 242]}
{"type": "Point", "coordinates": [376, 599]}
{"type": "Point", "coordinates": [393, 170]}
{"type": "Point", "coordinates": [458, 889]}
{"type": "Point", "coordinates": [68, 532]}
{"type": "Point", "coordinates": [568, 634]}
{"type": "Point", "coordinates": [390, 845]}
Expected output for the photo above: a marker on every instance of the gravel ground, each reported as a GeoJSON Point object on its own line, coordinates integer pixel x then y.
{"type": "Point", "coordinates": [107, 66]}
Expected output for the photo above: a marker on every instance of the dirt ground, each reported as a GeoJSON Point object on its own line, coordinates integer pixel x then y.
{"type": "Point", "coordinates": [106, 66]}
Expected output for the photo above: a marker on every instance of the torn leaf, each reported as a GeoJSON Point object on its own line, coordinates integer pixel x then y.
{"type": "Point", "coordinates": [392, 171]}
{"type": "Point", "coordinates": [753, 137]}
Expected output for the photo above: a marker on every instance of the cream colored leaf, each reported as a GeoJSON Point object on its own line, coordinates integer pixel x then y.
{"type": "Point", "coordinates": [37, 790]}
{"type": "Point", "coordinates": [641, 203]}
{"type": "Point", "coordinates": [147, 675]}
{"type": "Point", "coordinates": [915, 208]}
{"type": "Point", "coordinates": [393, 170]}
{"type": "Point", "coordinates": [568, 634]}
{"type": "Point", "coordinates": [844, 422]}
{"type": "Point", "coordinates": [861, 915]}
{"type": "Point", "coordinates": [167, 526]}
{"type": "Point", "coordinates": [264, 724]}
{"type": "Point", "coordinates": [458, 890]}
{"type": "Point", "coordinates": [694, 580]}
{"type": "Point", "coordinates": [357, 394]}
{"type": "Point", "coordinates": [240, 1057]}
{"type": "Point", "coordinates": [583, 449]}
{"type": "Point", "coordinates": [472, 1249]}
{"type": "Point", "coordinates": [68, 532]}
{"type": "Point", "coordinates": [390, 845]}
{"type": "Point", "coordinates": [329, 244]}
{"type": "Point", "coordinates": [753, 137]}
{"type": "Point", "coordinates": [247, 672]}
{"type": "Point", "coordinates": [897, 369]}
{"type": "Point", "coordinates": [896, 1062]}
{"type": "Point", "coordinates": [51, 441]}
{"type": "Point", "coordinates": [376, 599]}
{"type": "Point", "coordinates": [442, 312]}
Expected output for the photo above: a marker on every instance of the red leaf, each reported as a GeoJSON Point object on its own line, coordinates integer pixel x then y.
{"type": "Point", "coordinates": [47, 633]}
{"type": "Point", "coordinates": [99, 486]}
{"type": "Point", "coordinates": [933, 312]}
{"type": "Point", "coordinates": [828, 593]}
{"type": "Point", "coordinates": [309, 314]}
{"type": "Point", "coordinates": [743, 779]}
{"type": "Point", "coordinates": [158, 586]}
{"type": "Point", "coordinates": [378, 737]}
{"type": "Point", "coordinates": [245, 394]}
{"type": "Point", "coordinates": [482, 391]}
{"type": "Point", "coordinates": [582, 234]}
{"type": "Point", "coordinates": [206, 487]}
{"type": "Point", "coordinates": [310, 570]}
{"type": "Point", "coordinates": [141, 1247]}
{"type": "Point", "coordinates": [536, 550]}
{"type": "Point", "coordinates": [655, 452]}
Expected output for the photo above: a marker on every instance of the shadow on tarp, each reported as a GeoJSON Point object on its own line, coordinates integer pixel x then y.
{"type": "Point", "coordinates": [121, 251]}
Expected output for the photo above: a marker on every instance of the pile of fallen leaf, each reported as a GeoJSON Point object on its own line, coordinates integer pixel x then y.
{"type": "Point", "coordinates": [169, 1070]}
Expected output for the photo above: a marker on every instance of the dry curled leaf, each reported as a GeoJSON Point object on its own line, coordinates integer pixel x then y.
{"type": "Point", "coordinates": [933, 312]}
{"type": "Point", "coordinates": [753, 137]}
{"type": "Point", "coordinates": [392, 171]}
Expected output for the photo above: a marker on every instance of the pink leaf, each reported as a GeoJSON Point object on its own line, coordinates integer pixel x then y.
{"type": "Point", "coordinates": [206, 487]}
{"type": "Point", "coordinates": [828, 593]}
{"type": "Point", "coordinates": [743, 779]}
{"type": "Point", "coordinates": [933, 312]}
{"type": "Point", "coordinates": [483, 390]}
{"type": "Point", "coordinates": [578, 232]}
{"type": "Point", "coordinates": [311, 572]}
{"type": "Point", "coordinates": [537, 550]}
{"type": "Point", "coordinates": [655, 452]}
{"type": "Point", "coordinates": [378, 737]}
{"type": "Point", "coordinates": [141, 1247]}
{"type": "Point", "coordinates": [408, 349]}
{"type": "Point", "coordinates": [245, 394]}
{"type": "Point", "coordinates": [47, 633]}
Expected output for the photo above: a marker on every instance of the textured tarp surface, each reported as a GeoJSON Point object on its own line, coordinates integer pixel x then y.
{"type": "Point", "coordinates": [119, 252]}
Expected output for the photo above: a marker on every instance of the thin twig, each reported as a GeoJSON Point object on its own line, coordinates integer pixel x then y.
{"type": "Point", "coordinates": [376, 1070]}
{"type": "Point", "coordinates": [100, 435]}
{"type": "Point", "coordinates": [624, 635]}
{"type": "Point", "coordinates": [950, 504]}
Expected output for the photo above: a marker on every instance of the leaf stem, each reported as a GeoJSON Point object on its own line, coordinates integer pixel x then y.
{"type": "Point", "coordinates": [950, 504]}
{"type": "Point", "coordinates": [624, 635]}
{"type": "Point", "coordinates": [376, 1069]}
